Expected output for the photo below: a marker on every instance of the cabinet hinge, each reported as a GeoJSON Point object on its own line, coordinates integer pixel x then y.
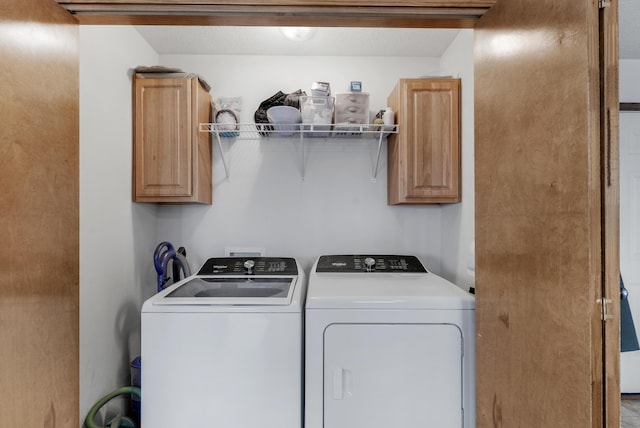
{"type": "Point", "coordinates": [604, 309]}
{"type": "Point", "coordinates": [604, 3]}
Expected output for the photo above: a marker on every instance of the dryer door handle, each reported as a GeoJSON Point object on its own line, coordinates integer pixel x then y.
{"type": "Point", "coordinates": [341, 383]}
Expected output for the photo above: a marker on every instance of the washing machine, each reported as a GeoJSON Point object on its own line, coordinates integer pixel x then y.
{"type": "Point", "coordinates": [224, 347]}
{"type": "Point", "coordinates": [387, 343]}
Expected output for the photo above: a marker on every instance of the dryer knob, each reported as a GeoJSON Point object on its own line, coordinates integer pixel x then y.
{"type": "Point", "coordinates": [370, 264]}
{"type": "Point", "coordinates": [248, 267]}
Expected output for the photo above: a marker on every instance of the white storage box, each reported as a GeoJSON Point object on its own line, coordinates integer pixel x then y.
{"type": "Point", "coordinates": [317, 114]}
{"type": "Point", "coordinates": [352, 108]}
{"type": "Point", "coordinates": [320, 89]}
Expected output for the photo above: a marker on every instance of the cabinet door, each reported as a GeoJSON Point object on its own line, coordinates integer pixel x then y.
{"type": "Point", "coordinates": [163, 155]}
{"type": "Point", "coordinates": [546, 216]}
{"type": "Point", "coordinates": [424, 158]}
{"type": "Point", "coordinates": [39, 152]}
{"type": "Point", "coordinates": [385, 375]}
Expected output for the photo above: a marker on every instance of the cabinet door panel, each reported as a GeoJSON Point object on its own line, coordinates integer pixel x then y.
{"type": "Point", "coordinates": [433, 169]}
{"type": "Point", "coordinates": [163, 148]}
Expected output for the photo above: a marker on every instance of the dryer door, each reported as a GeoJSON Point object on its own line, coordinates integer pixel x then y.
{"type": "Point", "coordinates": [385, 375]}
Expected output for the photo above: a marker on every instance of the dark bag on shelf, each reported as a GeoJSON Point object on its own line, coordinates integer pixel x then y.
{"type": "Point", "coordinates": [293, 99]}
{"type": "Point", "coordinates": [260, 116]}
{"type": "Point", "coordinates": [277, 99]}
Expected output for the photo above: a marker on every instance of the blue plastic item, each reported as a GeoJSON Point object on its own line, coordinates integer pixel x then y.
{"type": "Point", "coordinates": [164, 253]}
{"type": "Point", "coordinates": [136, 366]}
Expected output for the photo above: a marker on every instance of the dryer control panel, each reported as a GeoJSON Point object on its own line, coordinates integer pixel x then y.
{"type": "Point", "coordinates": [249, 266]}
{"type": "Point", "coordinates": [370, 263]}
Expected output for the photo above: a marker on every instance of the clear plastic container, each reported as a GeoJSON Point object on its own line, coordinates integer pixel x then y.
{"type": "Point", "coordinates": [317, 115]}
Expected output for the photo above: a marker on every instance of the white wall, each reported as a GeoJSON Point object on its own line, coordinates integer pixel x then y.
{"type": "Point", "coordinates": [337, 208]}
{"type": "Point", "coordinates": [458, 263]}
{"type": "Point", "coordinates": [629, 82]}
{"type": "Point", "coordinates": [264, 203]}
{"type": "Point", "coordinates": [117, 237]}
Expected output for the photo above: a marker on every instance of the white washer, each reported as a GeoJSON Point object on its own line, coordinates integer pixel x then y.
{"type": "Point", "coordinates": [387, 344]}
{"type": "Point", "coordinates": [224, 347]}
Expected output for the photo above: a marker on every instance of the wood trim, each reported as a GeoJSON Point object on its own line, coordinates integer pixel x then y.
{"type": "Point", "coordinates": [610, 208]}
{"type": "Point", "coordinates": [273, 21]}
{"type": "Point", "coordinates": [595, 139]}
{"type": "Point", "coordinates": [426, 14]}
{"type": "Point", "coordinates": [461, 4]}
{"type": "Point", "coordinates": [629, 106]}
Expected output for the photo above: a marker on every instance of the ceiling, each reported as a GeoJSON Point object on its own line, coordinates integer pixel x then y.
{"type": "Point", "coordinates": [340, 41]}
{"type": "Point", "coordinates": [325, 41]}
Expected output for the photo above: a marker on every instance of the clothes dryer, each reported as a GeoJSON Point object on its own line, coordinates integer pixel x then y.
{"type": "Point", "coordinates": [224, 347]}
{"type": "Point", "coordinates": [387, 343]}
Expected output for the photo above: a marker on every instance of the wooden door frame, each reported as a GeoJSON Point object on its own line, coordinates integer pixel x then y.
{"type": "Point", "coordinates": [333, 13]}
{"type": "Point", "coordinates": [608, 206]}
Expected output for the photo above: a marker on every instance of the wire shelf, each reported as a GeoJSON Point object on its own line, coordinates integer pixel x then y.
{"type": "Point", "coordinates": [305, 130]}
{"type": "Point", "coordinates": [301, 132]}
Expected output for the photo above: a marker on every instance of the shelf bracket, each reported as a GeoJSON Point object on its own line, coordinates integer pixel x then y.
{"type": "Point", "coordinates": [302, 156]}
{"type": "Point", "coordinates": [224, 159]}
{"type": "Point", "coordinates": [375, 167]}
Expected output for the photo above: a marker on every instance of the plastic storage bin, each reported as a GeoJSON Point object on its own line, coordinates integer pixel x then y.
{"type": "Point", "coordinates": [317, 111]}
{"type": "Point", "coordinates": [352, 108]}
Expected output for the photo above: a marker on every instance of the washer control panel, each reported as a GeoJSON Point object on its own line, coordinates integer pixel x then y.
{"type": "Point", "coordinates": [370, 263]}
{"type": "Point", "coordinates": [249, 266]}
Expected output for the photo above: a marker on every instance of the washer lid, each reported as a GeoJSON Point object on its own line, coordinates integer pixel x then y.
{"type": "Point", "coordinates": [240, 290]}
{"type": "Point", "coordinates": [355, 288]}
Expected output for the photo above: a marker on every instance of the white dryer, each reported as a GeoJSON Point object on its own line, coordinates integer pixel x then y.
{"type": "Point", "coordinates": [387, 344]}
{"type": "Point", "coordinates": [224, 347]}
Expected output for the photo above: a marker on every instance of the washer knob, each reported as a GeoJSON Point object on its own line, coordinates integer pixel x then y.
{"type": "Point", "coordinates": [248, 267]}
{"type": "Point", "coordinates": [370, 264]}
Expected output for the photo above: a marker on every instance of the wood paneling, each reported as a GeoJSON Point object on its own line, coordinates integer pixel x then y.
{"type": "Point", "coordinates": [321, 13]}
{"type": "Point", "coordinates": [610, 149]}
{"type": "Point", "coordinates": [538, 219]}
{"type": "Point", "coordinates": [461, 4]}
{"type": "Point", "coordinates": [39, 330]}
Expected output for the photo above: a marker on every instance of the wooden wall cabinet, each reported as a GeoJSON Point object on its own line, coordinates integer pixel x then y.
{"type": "Point", "coordinates": [171, 158]}
{"type": "Point", "coordinates": [424, 157]}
